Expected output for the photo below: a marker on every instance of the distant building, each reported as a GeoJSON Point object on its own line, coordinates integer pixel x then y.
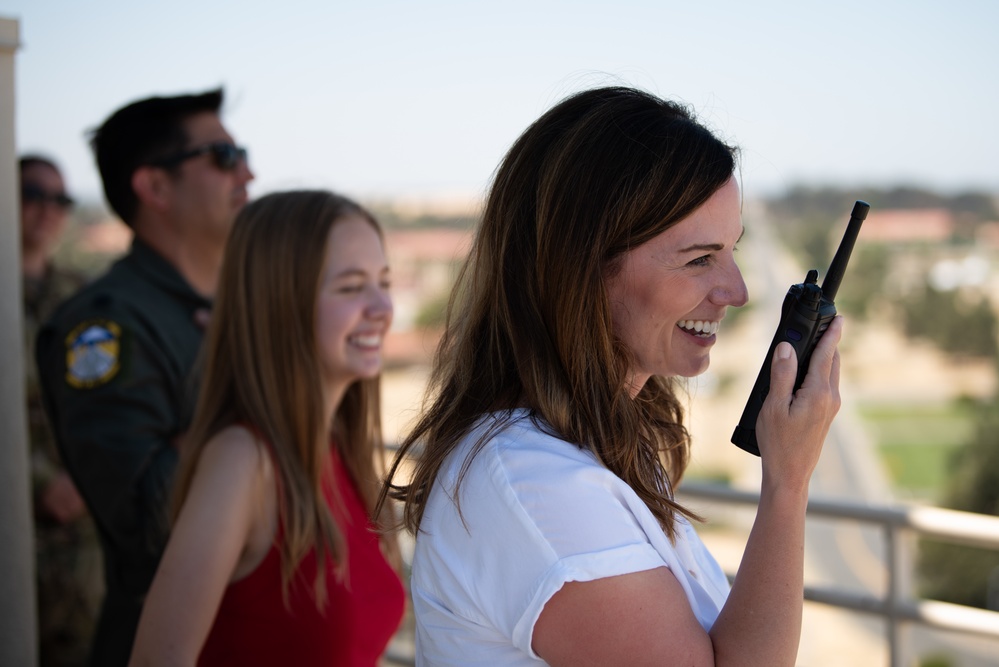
{"type": "Point", "coordinates": [424, 264]}
{"type": "Point", "coordinates": [431, 245]}
{"type": "Point", "coordinates": [930, 225]}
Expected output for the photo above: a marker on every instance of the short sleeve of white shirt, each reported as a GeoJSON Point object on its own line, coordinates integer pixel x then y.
{"type": "Point", "coordinates": [536, 512]}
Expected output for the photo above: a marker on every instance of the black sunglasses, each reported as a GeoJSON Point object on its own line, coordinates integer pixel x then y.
{"type": "Point", "coordinates": [226, 156]}
{"type": "Point", "coordinates": [36, 195]}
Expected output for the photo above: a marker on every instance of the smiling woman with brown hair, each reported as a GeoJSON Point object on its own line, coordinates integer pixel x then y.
{"type": "Point", "coordinates": [542, 495]}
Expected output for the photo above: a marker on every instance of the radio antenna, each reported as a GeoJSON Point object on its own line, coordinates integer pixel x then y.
{"type": "Point", "coordinates": [834, 276]}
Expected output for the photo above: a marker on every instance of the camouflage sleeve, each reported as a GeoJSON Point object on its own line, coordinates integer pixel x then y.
{"type": "Point", "coordinates": [43, 471]}
{"type": "Point", "coordinates": [58, 285]}
{"type": "Point", "coordinates": [111, 394]}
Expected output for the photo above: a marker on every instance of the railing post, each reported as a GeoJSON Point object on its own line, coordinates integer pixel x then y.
{"type": "Point", "coordinates": [903, 572]}
{"type": "Point", "coordinates": [891, 598]}
{"type": "Point", "coordinates": [900, 547]}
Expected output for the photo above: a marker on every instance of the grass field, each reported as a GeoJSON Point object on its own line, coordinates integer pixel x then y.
{"type": "Point", "coordinates": [917, 442]}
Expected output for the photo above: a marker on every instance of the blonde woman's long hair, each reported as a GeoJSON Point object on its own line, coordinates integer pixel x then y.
{"type": "Point", "coordinates": [260, 368]}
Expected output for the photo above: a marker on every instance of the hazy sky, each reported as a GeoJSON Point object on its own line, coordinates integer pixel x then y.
{"type": "Point", "coordinates": [423, 98]}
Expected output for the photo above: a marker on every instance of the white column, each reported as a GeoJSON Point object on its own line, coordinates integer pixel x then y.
{"type": "Point", "coordinates": [18, 629]}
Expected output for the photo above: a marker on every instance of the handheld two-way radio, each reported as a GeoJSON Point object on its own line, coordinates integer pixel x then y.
{"type": "Point", "coordinates": [807, 311]}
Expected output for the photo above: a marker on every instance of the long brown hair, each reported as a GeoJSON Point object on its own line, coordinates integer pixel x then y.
{"type": "Point", "coordinates": [260, 368]}
{"type": "Point", "coordinates": [529, 322]}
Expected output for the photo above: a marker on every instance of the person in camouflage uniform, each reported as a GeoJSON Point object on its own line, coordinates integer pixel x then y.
{"type": "Point", "coordinates": [67, 553]}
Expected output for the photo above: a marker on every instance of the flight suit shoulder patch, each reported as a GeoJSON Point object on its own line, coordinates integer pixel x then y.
{"type": "Point", "coordinates": [93, 353]}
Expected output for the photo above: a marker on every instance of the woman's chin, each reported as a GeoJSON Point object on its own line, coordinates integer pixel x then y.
{"type": "Point", "coordinates": [695, 368]}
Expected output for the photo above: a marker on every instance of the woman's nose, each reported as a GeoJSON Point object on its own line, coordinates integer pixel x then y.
{"type": "Point", "coordinates": [380, 304]}
{"type": "Point", "coordinates": [732, 291]}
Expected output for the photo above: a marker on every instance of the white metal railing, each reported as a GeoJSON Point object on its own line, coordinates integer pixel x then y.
{"type": "Point", "coordinates": [900, 526]}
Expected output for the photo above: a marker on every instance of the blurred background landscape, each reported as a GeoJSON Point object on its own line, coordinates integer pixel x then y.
{"type": "Point", "coordinates": [409, 107]}
{"type": "Point", "coordinates": [921, 299]}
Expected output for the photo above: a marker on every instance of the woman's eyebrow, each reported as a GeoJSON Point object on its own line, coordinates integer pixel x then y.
{"type": "Point", "coordinates": [702, 246]}
{"type": "Point", "coordinates": [355, 271]}
{"type": "Point", "coordinates": [710, 246]}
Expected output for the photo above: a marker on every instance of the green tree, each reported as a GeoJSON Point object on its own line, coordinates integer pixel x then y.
{"type": "Point", "coordinates": [955, 321]}
{"type": "Point", "coordinates": [864, 284]}
{"type": "Point", "coordinates": [956, 573]}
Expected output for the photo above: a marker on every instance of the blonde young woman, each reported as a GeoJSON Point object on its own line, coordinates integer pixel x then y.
{"type": "Point", "coordinates": [273, 557]}
{"type": "Point", "coordinates": [542, 498]}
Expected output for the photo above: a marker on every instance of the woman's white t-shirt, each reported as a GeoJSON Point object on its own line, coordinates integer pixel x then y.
{"type": "Point", "coordinates": [536, 512]}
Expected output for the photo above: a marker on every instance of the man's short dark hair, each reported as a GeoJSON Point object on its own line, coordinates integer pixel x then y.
{"type": "Point", "coordinates": [140, 132]}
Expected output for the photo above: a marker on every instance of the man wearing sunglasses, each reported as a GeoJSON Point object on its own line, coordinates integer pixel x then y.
{"type": "Point", "coordinates": [68, 575]}
{"type": "Point", "coordinates": [115, 360]}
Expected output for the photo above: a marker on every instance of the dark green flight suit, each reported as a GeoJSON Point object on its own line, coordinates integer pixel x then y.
{"type": "Point", "coordinates": [115, 364]}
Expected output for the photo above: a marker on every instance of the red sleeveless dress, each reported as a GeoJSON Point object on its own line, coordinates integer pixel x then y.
{"type": "Point", "coordinates": [253, 626]}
